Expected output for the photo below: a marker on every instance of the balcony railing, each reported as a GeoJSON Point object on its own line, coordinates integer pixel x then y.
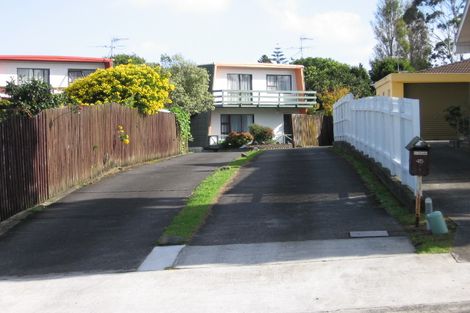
{"type": "Point", "coordinates": [264, 98]}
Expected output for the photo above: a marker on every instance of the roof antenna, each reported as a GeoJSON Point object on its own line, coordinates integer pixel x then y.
{"type": "Point", "coordinates": [113, 45]}
{"type": "Point", "coordinates": [301, 48]}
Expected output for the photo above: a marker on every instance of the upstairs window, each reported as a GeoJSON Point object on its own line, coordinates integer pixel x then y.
{"type": "Point", "coordinates": [278, 82]}
{"type": "Point", "coordinates": [75, 74]}
{"type": "Point", "coordinates": [28, 74]}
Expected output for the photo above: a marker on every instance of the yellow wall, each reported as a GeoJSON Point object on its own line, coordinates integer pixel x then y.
{"type": "Point", "coordinates": [392, 84]}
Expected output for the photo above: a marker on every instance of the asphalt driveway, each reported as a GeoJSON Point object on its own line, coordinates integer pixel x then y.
{"type": "Point", "coordinates": [109, 226]}
{"type": "Point", "coordinates": [294, 195]}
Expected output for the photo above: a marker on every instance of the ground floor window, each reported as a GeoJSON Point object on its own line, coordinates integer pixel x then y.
{"type": "Point", "coordinates": [235, 123]}
{"type": "Point", "coordinates": [28, 74]}
{"type": "Point", "coordinates": [74, 74]}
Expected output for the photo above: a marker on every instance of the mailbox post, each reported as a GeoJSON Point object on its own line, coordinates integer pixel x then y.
{"type": "Point", "coordinates": [418, 166]}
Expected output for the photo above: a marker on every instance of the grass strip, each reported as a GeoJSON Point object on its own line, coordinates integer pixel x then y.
{"type": "Point", "coordinates": [197, 208]}
{"type": "Point", "coordinates": [422, 239]}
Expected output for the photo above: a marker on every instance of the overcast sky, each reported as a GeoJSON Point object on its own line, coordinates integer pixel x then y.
{"type": "Point", "coordinates": [203, 31]}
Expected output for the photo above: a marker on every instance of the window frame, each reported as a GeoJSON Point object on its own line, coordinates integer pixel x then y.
{"type": "Point", "coordinates": [33, 69]}
{"type": "Point", "coordinates": [229, 124]}
{"type": "Point", "coordinates": [91, 70]}
{"type": "Point", "coordinates": [277, 82]}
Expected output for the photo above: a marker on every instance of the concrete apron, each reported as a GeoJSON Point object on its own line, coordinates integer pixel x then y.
{"type": "Point", "coordinates": [162, 258]}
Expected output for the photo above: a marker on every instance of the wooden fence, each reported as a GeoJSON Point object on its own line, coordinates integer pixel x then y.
{"type": "Point", "coordinates": [312, 130]}
{"type": "Point", "coordinates": [43, 156]}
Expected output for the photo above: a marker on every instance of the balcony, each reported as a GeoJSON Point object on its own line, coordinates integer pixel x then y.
{"type": "Point", "coordinates": [264, 98]}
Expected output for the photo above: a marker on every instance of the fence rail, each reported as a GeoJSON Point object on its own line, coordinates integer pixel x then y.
{"type": "Point", "coordinates": [264, 98]}
{"type": "Point", "coordinates": [379, 127]}
{"type": "Point", "coordinates": [43, 156]}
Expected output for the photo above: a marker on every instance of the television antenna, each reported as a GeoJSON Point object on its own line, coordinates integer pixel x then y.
{"type": "Point", "coordinates": [113, 45]}
{"type": "Point", "coordinates": [301, 48]}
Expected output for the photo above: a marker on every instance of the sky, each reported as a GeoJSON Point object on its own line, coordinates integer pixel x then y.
{"type": "Point", "coordinates": [203, 31]}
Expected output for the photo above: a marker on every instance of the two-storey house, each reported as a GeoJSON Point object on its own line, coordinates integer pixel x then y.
{"type": "Point", "coordinates": [245, 94]}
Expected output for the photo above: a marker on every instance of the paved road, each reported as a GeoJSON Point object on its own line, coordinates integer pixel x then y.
{"type": "Point", "coordinates": [449, 186]}
{"type": "Point", "coordinates": [109, 226]}
{"type": "Point", "coordinates": [294, 195]}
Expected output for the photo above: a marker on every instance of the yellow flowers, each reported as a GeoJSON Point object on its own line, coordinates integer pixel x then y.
{"type": "Point", "coordinates": [123, 136]}
{"type": "Point", "coordinates": [140, 86]}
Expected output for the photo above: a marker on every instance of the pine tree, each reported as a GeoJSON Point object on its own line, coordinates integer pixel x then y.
{"type": "Point", "coordinates": [278, 56]}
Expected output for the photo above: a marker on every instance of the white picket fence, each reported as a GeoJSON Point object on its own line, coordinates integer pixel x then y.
{"type": "Point", "coordinates": [380, 127]}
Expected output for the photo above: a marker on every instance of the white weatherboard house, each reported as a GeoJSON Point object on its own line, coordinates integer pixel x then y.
{"type": "Point", "coordinates": [244, 94]}
{"type": "Point", "coordinates": [58, 71]}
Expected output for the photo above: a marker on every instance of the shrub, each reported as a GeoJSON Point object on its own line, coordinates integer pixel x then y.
{"type": "Point", "coordinates": [261, 134]}
{"type": "Point", "coordinates": [135, 85]}
{"type": "Point", "coordinates": [30, 98]}
{"type": "Point", "coordinates": [237, 139]}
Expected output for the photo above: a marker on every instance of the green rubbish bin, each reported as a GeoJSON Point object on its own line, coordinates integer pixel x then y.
{"type": "Point", "coordinates": [437, 223]}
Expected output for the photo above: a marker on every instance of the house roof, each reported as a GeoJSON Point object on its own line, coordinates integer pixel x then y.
{"type": "Point", "coordinates": [56, 58]}
{"type": "Point", "coordinates": [258, 65]}
{"type": "Point", "coordinates": [462, 67]}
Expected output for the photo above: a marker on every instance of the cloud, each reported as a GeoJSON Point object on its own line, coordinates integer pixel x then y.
{"type": "Point", "coordinates": [342, 34]}
{"type": "Point", "coordinates": [200, 6]}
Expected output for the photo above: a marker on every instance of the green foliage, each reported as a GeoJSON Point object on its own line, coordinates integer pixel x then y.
{"type": "Point", "coordinates": [457, 119]}
{"type": "Point", "coordinates": [381, 68]}
{"type": "Point", "coordinates": [183, 119]}
{"type": "Point", "coordinates": [324, 75]}
{"type": "Point", "coordinates": [30, 98]}
{"type": "Point", "coordinates": [443, 18]}
{"type": "Point", "coordinates": [264, 59]}
{"type": "Point", "coordinates": [120, 59]}
{"type": "Point", "coordinates": [191, 85]}
{"type": "Point", "coordinates": [390, 30]}
{"type": "Point", "coordinates": [237, 139]}
{"type": "Point", "coordinates": [139, 86]}
{"type": "Point", "coordinates": [329, 78]}
{"type": "Point", "coordinates": [261, 134]}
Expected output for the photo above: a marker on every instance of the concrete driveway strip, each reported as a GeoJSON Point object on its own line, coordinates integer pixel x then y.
{"type": "Point", "coordinates": [109, 226]}
{"type": "Point", "coordinates": [294, 195]}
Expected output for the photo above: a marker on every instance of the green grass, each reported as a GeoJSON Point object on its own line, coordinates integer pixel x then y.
{"type": "Point", "coordinates": [194, 214]}
{"type": "Point", "coordinates": [423, 241]}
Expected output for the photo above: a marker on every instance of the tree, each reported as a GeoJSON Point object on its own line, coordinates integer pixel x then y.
{"type": "Point", "coordinates": [381, 68]}
{"type": "Point", "coordinates": [30, 98]}
{"type": "Point", "coordinates": [443, 18]}
{"type": "Point", "coordinates": [324, 75]}
{"type": "Point", "coordinates": [332, 80]}
{"type": "Point", "coordinates": [418, 38]}
{"type": "Point", "coordinates": [135, 85]}
{"type": "Point", "coordinates": [390, 30]}
{"type": "Point", "coordinates": [120, 59]}
{"type": "Point", "coordinates": [278, 56]}
{"type": "Point", "coordinates": [191, 84]}
{"type": "Point", "coordinates": [264, 59]}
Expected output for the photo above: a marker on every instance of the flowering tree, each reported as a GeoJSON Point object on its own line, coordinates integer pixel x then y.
{"type": "Point", "coordinates": [136, 85]}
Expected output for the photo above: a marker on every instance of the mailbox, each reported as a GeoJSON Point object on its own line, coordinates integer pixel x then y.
{"type": "Point", "coordinates": [419, 156]}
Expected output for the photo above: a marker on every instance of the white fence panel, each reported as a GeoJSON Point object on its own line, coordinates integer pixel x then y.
{"type": "Point", "coordinates": [379, 127]}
